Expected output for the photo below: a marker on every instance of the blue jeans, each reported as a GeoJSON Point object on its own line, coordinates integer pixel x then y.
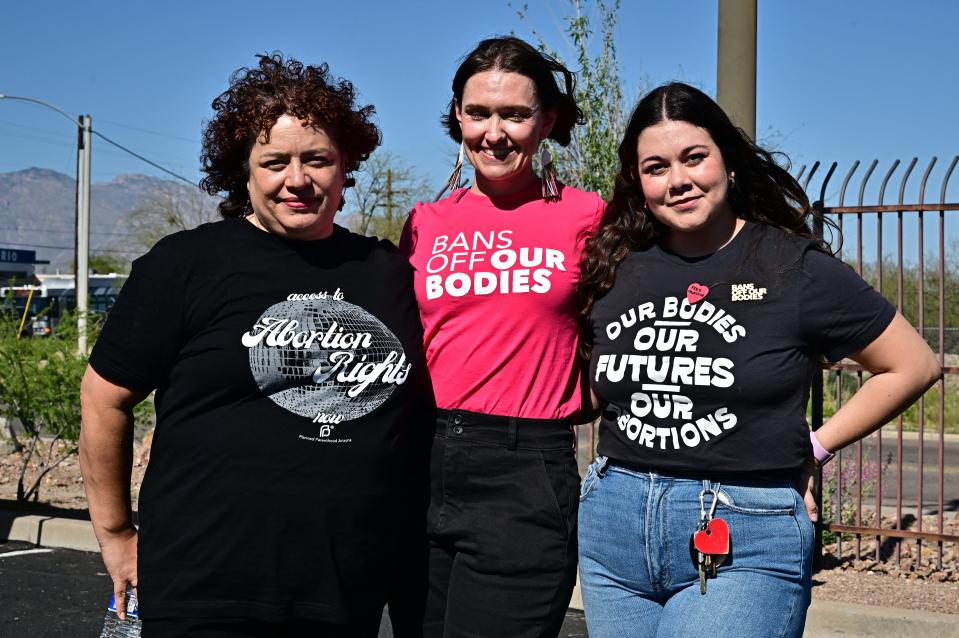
{"type": "Point", "coordinates": [638, 578]}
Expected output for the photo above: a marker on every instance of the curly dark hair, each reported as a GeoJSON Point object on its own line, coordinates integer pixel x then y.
{"type": "Point", "coordinates": [256, 99]}
{"type": "Point", "coordinates": [508, 53]}
{"type": "Point", "coordinates": [764, 191]}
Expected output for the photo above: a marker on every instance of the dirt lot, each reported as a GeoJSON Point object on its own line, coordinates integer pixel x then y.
{"type": "Point", "coordinates": [910, 583]}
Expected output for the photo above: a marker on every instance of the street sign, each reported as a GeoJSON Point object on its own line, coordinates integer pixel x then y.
{"type": "Point", "coordinates": [13, 256]}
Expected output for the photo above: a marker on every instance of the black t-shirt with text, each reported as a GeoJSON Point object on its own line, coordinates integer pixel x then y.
{"type": "Point", "coordinates": [293, 409]}
{"type": "Point", "coordinates": [705, 363]}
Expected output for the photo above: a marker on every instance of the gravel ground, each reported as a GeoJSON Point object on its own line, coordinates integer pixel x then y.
{"type": "Point", "coordinates": [912, 584]}
{"type": "Point", "coordinates": [917, 580]}
{"type": "Point", "coordinates": [886, 590]}
{"type": "Point", "coordinates": [61, 487]}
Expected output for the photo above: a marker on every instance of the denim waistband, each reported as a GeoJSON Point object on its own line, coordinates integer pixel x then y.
{"type": "Point", "coordinates": [506, 431]}
{"type": "Point", "coordinates": [765, 477]}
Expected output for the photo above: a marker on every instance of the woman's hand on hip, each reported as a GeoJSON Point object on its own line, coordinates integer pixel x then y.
{"type": "Point", "coordinates": [806, 486]}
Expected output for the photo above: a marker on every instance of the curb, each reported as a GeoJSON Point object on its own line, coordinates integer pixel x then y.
{"type": "Point", "coordinates": [48, 531]}
{"type": "Point", "coordinates": [828, 618]}
{"type": "Point", "coordinates": [576, 602]}
{"type": "Point", "coordinates": [824, 619]}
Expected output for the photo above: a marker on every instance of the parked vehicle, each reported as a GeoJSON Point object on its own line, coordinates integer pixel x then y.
{"type": "Point", "coordinates": [45, 311]}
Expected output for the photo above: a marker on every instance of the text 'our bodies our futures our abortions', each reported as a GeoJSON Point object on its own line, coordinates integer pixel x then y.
{"type": "Point", "coordinates": [666, 364]}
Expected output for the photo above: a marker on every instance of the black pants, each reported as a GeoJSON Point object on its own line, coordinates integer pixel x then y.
{"type": "Point", "coordinates": [502, 526]}
{"type": "Point", "coordinates": [246, 627]}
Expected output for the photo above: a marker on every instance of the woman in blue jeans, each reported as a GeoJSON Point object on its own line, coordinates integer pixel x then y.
{"type": "Point", "coordinates": [707, 304]}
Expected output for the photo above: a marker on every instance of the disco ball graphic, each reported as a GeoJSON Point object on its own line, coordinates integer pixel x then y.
{"type": "Point", "coordinates": [286, 373]}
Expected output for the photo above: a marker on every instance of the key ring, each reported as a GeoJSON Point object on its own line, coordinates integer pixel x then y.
{"type": "Point", "coordinates": [714, 490]}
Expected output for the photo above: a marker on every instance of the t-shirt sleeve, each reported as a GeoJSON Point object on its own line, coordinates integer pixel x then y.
{"type": "Point", "coordinates": [598, 214]}
{"type": "Point", "coordinates": [589, 220]}
{"type": "Point", "coordinates": [839, 312]}
{"type": "Point", "coordinates": [142, 336]}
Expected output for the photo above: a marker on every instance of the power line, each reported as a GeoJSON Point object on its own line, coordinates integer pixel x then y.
{"type": "Point", "coordinates": [54, 139]}
{"type": "Point", "coordinates": [33, 137]}
{"type": "Point", "coordinates": [95, 250]}
{"type": "Point", "coordinates": [65, 232]}
{"type": "Point", "coordinates": [10, 243]}
{"type": "Point", "coordinates": [146, 130]}
{"type": "Point", "coordinates": [141, 158]}
{"type": "Point", "coordinates": [104, 120]}
{"type": "Point", "coordinates": [124, 149]}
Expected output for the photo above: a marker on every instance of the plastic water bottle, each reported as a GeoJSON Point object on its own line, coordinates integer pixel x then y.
{"type": "Point", "coordinates": [113, 627]}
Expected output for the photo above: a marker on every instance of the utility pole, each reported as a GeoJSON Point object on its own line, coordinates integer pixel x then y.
{"type": "Point", "coordinates": [83, 230]}
{"type": "Point", "coordinates": [81, 261]}
{"type": "Point", "coordinates": [736, 63]}
{"type": "Point", "coordinates": [386, 191]}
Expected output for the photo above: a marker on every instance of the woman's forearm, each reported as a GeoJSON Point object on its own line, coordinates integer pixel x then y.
{"type": "Point", "coordinates": [880, 399]}
{"type": "Point", "coordinates": [106, 454]}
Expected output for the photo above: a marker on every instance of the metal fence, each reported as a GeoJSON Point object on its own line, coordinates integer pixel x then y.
{"type": "Point", "coordinates": [858, 488]}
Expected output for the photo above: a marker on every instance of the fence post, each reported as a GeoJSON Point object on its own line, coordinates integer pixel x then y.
{"type": "Point", "coordinates": [816, 390]}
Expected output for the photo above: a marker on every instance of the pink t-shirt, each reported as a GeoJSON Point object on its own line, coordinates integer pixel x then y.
{"type": "Point", "coordinates": [494, 280]}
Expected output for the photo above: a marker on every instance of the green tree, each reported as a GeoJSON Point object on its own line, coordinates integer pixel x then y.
{"type": "Point", "coordinates": [105, 263]}
{"type": "Point", "coordinates": [591, 160]}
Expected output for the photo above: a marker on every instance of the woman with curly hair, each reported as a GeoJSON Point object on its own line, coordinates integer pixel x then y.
{"type": "Point", "coordinates": [495, 267]}
{"type": "Point", "coordinates": [285, 355]}
{"type": "Point", "coordinates": [708, 303]}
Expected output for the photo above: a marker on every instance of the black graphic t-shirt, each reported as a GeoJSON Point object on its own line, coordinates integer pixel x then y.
{"type": "Point", "coordinates": [292, 411]}
{"type": "Point", "coordinates": [705, 363]}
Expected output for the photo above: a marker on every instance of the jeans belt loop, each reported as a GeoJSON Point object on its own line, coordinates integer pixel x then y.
{"type": "Point", "coordinates": [511, 434]}
{"type": "Point", "coordinates": [603, 466]}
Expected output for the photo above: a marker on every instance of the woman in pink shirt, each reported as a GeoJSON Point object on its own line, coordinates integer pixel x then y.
{"type": "Point", "coordinates": [495, 268]}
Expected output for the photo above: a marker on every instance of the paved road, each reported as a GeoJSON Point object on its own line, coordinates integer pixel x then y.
{"type": "Point", "coordinates": [62, 593]}
{"type": "Point", "coordinates": [53, 593]}
{"type": "Point", "coordinates": [872, 460]}
{"type": "Point", "coordinates": [57, 592]}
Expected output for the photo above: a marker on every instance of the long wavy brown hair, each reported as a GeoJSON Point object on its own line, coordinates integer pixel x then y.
{"type": "Point", "coordinates": [764, 192]}
{"type": "Point", "coordinates": [256, 99]}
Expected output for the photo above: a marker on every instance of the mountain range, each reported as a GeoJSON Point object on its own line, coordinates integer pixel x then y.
{"type": "Point", "coordinates": [38, 212]}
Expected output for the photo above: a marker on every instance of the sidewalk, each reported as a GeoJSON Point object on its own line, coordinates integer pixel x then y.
{"type": "Point", "coordinates": [824, 619]}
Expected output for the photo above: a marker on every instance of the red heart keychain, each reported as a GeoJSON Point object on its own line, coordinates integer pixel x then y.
{"type": "Point", "coordinates": [714, 539]}
{"type": "Point", "coordinates": [696, 293]}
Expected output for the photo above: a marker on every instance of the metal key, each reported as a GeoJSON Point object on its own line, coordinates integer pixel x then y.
{"type": "Point", "coordinates": [702, 577]}
{"type": "Point", "coordinates": [705, 566]}
{"type": "Point", "coordinates": [699, 562]}
{"type": "Point", "coordinates": [715, 560]}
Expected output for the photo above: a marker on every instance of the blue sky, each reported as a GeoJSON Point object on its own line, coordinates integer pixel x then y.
{"type": "Point", "coordinates": [836, 80]}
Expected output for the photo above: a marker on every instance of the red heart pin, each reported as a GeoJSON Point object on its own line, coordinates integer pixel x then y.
{"type": "Point", "coordinates": [714, 539]}
{"type": "Point", "coordinates": [696, 292]}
